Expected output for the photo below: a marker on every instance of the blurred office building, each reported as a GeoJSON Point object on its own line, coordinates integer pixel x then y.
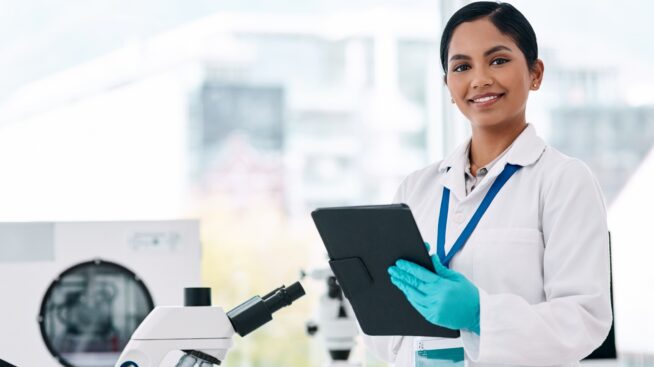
{"type": "Point", "coordinates": [612, 140]}
{"type": "Point", "coordinates": [332, 110]}
{"type": "Point", "coordinates": [590, 121]}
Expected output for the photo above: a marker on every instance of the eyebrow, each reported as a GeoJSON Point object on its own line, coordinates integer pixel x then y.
{"type": "Point", "coordinates": [490, 51]}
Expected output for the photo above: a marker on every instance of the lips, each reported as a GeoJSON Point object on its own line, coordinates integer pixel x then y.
{"type": "Point", "coordinates": [486, 99]}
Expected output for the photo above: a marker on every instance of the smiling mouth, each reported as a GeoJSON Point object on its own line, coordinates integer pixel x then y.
{"type": "Point", "coordinates": [486, 101]}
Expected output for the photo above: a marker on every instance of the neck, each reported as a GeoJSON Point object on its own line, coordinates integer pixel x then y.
{"type": "Point", "coordinates": [487, 143]}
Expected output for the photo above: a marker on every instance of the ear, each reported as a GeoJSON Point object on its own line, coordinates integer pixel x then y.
{"type": "Point", "coordinates": [445, 79]}
{"type": "Point", "coordinates": [536, 74]}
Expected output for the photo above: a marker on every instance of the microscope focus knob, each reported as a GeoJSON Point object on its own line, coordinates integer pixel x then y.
{"type": "Point", "coordinates": [197, 297]}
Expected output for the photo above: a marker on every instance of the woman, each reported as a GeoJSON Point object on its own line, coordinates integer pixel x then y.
{"type": "Point", "coordinates": [519, 229]}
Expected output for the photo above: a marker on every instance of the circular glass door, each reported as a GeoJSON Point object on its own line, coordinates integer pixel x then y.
{"type": "Point", "coordinates": [90, 311]}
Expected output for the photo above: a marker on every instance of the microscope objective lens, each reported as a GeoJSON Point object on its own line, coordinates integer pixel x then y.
{"type": "Point", "coordinates": [187, 360]}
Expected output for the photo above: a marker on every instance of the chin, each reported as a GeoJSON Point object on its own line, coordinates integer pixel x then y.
{"type": "Point", "coordinates": [487, 122]}
{"type": "Point", "coordinates": [494, 120]}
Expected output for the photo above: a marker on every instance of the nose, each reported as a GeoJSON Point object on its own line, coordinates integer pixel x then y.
{"type": "Point", "coordinates": [481, 79]}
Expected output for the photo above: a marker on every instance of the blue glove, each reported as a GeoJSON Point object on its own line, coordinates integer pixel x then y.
{"type": "Point", "coordinates": [445, 298]}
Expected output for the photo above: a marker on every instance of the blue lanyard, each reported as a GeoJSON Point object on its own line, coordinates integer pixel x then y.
{"type": "Point", "coordinates": [508, 171]}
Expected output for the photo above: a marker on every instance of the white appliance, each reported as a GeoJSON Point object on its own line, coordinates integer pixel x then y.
{"type": "Point", "coordinates": [72, 293]}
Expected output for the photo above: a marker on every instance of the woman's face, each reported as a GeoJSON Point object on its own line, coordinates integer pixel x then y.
{"type": "Point", "coordinates": [488, 76]}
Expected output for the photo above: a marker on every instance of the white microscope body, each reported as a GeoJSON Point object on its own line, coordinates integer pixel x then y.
{"type": "Point", "coordinates": [165, 329]}
{"type": "Point", "coordinates": [335, 323]}
{"type": "Point", "coordinates": [204, 333]}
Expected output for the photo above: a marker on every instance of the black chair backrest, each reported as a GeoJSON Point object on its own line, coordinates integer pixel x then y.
{"type": "Point", "coordinates": [607, 349]}
{"type": "Point", "coordinates": [5, 364]}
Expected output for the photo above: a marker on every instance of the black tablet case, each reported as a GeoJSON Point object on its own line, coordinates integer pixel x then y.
{"type": "Point", "coordinates": [362, 242]}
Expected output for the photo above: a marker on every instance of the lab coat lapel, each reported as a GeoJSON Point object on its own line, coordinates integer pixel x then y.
{"type": "Point", "coordinates": [454, 178]}
{"type": "Point", "coordinates": [455, 181]}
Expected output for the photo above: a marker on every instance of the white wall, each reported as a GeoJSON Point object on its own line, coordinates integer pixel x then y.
{"type": "Point", "coordinates": [118, 154]}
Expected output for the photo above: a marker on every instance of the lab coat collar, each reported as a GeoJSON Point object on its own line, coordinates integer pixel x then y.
{"type": "Point", "coordinates": [525, 150]}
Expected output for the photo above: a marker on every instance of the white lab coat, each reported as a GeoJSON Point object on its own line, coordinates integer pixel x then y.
{"type": "Point", "coordinates": [539, 257]}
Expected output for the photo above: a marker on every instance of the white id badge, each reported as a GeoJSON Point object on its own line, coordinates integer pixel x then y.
{"type": "Point", "coordinates": [438, 352]}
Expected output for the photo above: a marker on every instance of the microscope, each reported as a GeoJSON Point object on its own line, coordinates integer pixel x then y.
{"type": "Point", "coordinates": [204, 333]}
{"type": "Point", "coordinates": [336, 322]}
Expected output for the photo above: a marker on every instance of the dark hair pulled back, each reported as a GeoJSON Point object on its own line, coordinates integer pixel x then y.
{"type": "Point", "coordinates": [508, 20]}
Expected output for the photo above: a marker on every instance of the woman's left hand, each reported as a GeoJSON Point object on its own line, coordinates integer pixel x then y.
{"type": "Point", "coordinates": [445, 298]}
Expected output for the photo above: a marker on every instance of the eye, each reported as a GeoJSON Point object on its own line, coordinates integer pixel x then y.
{"type": "Point", "coordinates": [460, 68]}
{"type": "Point", "coordinates": [500, 61]}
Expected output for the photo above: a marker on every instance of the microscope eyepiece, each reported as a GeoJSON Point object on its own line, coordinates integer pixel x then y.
{"type": "Point", "coordinates": [283, 297]}
{"type": "Point", "coordinates": [255, 312]}
{"type": "Point", "coordinates": [295, 291]}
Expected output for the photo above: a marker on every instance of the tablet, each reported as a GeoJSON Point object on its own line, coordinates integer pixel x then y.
{"type": "Point", "coordinates": [362, 242]}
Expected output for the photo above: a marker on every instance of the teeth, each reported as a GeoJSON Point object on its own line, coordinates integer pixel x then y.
{"type": "Point", "coordinates": [485, 99]}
